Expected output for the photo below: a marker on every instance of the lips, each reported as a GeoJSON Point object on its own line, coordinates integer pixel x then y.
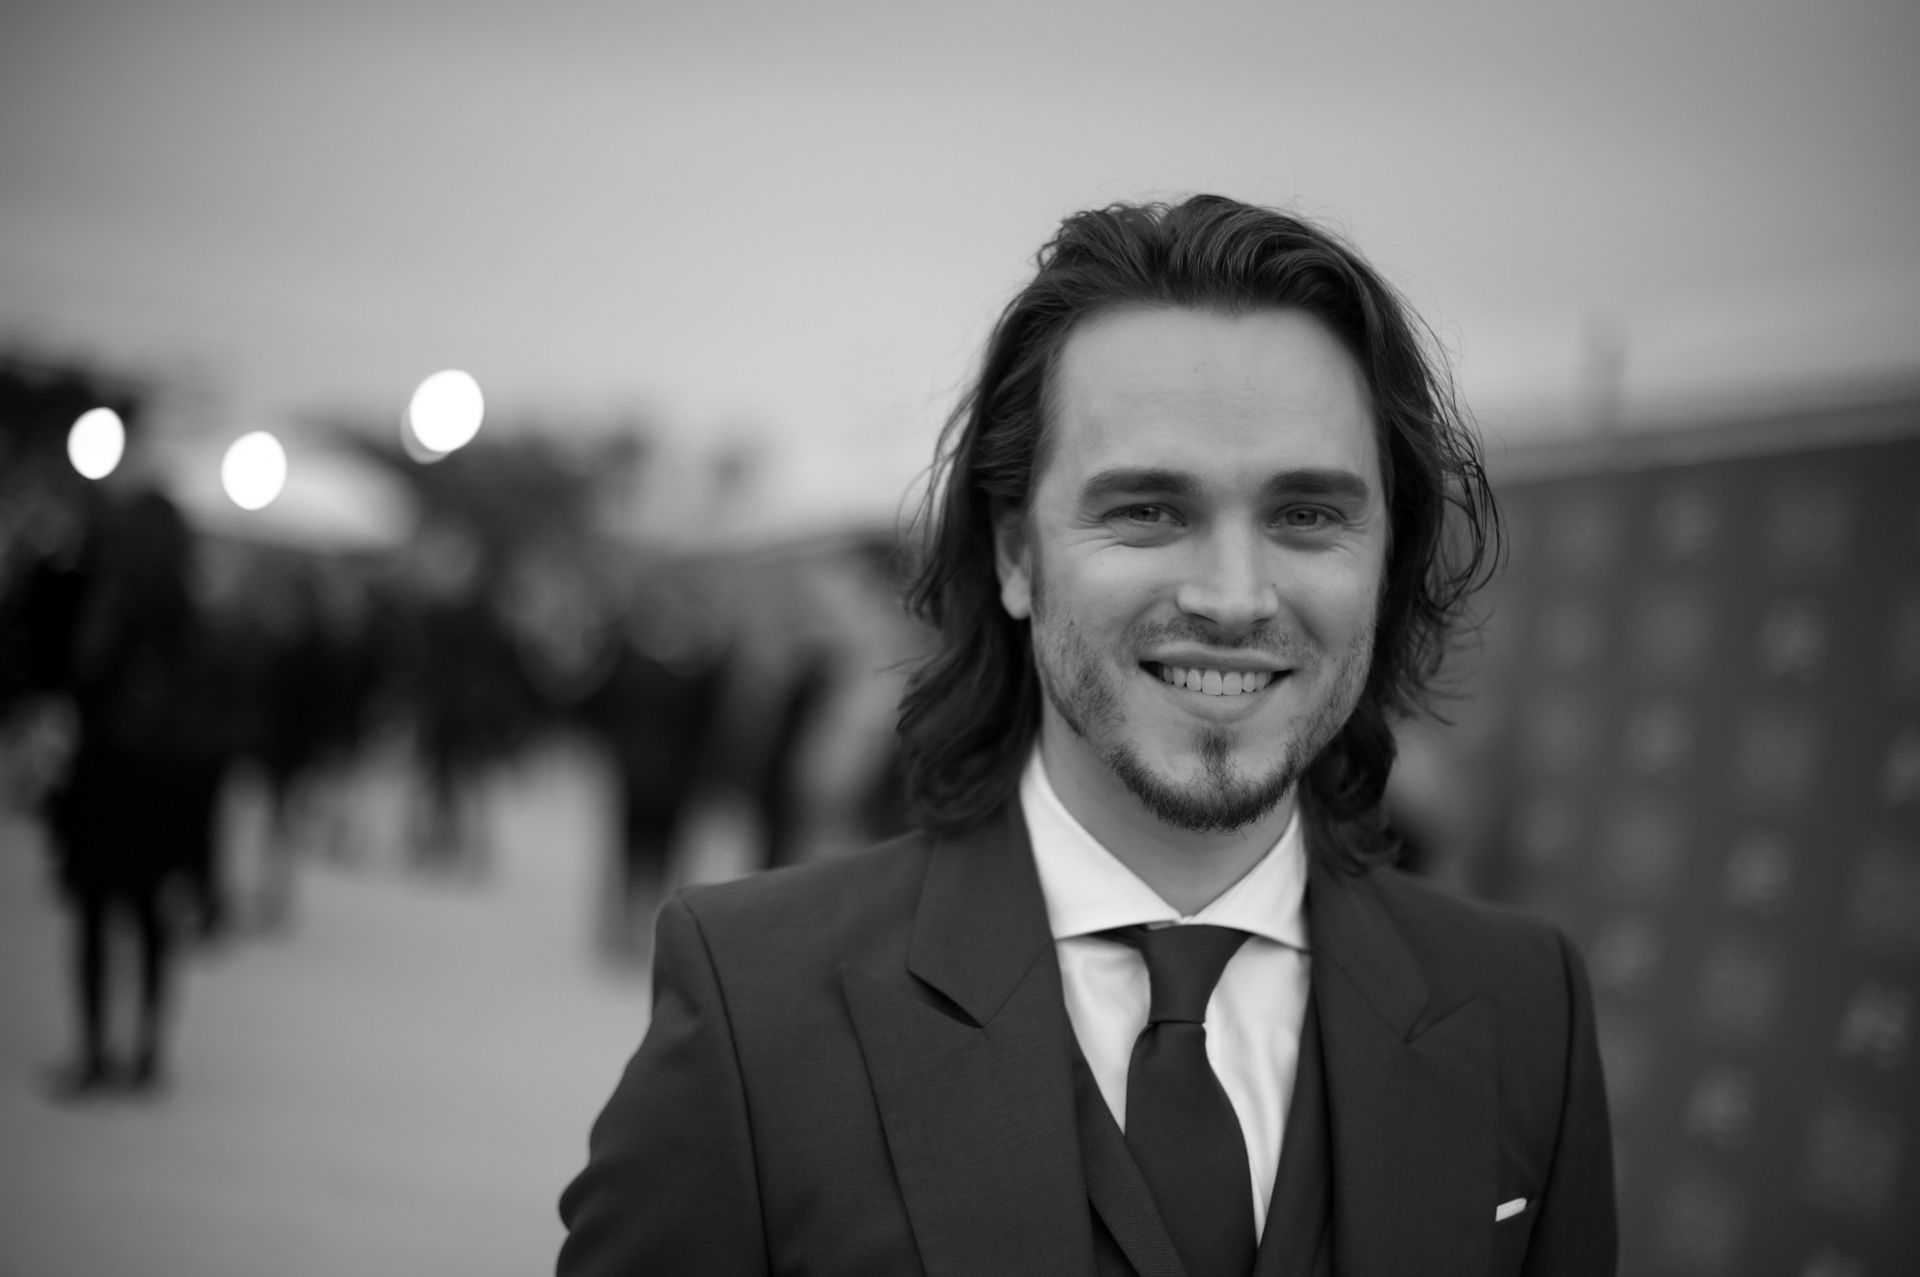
{"type": "Point", "coordinates": [1211, 682]}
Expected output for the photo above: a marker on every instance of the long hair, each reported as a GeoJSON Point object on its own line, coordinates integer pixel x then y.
{"type": "Point", "coordinates": [971, 709]}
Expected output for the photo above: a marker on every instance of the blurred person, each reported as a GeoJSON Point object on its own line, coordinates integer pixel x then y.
{"type": "Point", "coordinates": [1141, 994]}
{"type": "Point", "coordinates": [778, 792]}
{"type": "Point", "coordinates": [475, 710]}
{"type": "Point", "coordinates": [41, 588]}
{"type": "Point", "coordinates": [465, 688]}
{"type": "Point", "coordinates": [349, 670]}
{"type": "Point", "coordinates": [135, 809]}
{"type": "Point", "coordinates": [772, 674]}
{"type": "Point", "coordinates": [235, 655]}
{"type": "Point", "coordinates": [654, 712]}
{"type": "Point", "coordinates": [294, 705]}
{"type": "Point", "coordinates": [300, 642]}
{"type": "Point", "coordinates": [42, 536]}
{"type": "Point", "coordinates": [843, 767]}
{"type": "Point", "coordinates": [804, 745]}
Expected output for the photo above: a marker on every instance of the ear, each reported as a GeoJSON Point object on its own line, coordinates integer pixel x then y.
{"type": "Point", "coordinates": [1013, 561]}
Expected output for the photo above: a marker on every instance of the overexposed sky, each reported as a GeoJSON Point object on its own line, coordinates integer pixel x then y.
{"type": "Point", "coordinates": [793, 224]}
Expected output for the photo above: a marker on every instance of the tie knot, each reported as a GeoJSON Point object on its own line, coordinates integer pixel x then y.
{"type": "Point", "coordinates": [1183, 965]}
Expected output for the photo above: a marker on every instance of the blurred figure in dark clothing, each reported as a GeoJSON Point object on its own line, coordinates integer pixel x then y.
{"type": "Point", "coordinates": [474, 708]}
{"type": "Point", "coordinates": [775, 784]}
{"type": "Point", "coordinates": [136, 808]}
{"type": "Point", "coordinates": [285, 726]}
{"type": "Point", "coordinates": [458, 681]}
{"type": "Point", "coordinates": [349, 669]}
{"type": "Point", "coordinates": [314, 685]}
{"type": "Point", "coordinates": [655, 713]}
{"type": "Point", "coordinates": [42, 533]}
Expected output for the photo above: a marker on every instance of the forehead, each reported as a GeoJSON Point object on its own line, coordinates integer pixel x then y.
{"type": "Point", "coordinates": [1208, 392]}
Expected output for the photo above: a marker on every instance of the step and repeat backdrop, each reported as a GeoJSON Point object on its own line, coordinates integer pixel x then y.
{"type": "Point", "coordinates": [1695, 730]}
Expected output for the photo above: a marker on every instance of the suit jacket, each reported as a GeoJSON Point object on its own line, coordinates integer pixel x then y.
{"type": "Point", "coordinates": [864, 1066]}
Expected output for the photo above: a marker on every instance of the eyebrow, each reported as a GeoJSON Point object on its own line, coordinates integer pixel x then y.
{"type": "Point", "coordinates": [1317, 483]}
{"type": "Point", "coordinates": [1124, 481]}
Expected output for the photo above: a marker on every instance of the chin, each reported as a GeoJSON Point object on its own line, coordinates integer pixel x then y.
{"type": "Point", "coordinates": [1217, 797]}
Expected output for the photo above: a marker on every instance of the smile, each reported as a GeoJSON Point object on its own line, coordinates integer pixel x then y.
{"type": "Point", "coordinates": [1209, 682]}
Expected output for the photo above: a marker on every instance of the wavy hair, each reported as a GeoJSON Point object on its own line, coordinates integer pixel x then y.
{"type": "Point", "coordinates": [971, 709]}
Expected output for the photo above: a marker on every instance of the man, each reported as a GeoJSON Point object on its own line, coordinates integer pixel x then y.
{"type": "Point", "coordinates": [1139, 996]}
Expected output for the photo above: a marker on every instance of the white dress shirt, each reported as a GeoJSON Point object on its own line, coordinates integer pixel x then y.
{"type": "Point", "coordinates": [1255, 1014]}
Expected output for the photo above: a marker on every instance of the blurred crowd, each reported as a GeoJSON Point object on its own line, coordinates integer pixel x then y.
{"type": "Point", "coordinates": [148, 667]}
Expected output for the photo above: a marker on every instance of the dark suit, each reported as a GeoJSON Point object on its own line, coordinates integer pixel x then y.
{"type": "Point", "coordinates": [864, 1066]}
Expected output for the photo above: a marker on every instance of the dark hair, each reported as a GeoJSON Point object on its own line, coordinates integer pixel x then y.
{"type": "Point", "coordinates": [971, 709]}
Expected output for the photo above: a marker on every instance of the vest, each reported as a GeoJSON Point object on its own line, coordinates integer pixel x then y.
{"type": "Point", "coordinates": [1128, 1238]}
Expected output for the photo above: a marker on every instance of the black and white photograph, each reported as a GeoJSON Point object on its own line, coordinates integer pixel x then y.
{"type": "Point", "coordinates": [1077, 638]}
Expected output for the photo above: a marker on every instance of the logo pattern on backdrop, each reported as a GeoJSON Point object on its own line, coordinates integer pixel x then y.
{"type": "Point", "coordinates": [1707, 681]}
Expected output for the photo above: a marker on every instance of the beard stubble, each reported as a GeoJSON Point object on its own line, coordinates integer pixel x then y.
{"type": "Point", "coordinates": [1222, 798]}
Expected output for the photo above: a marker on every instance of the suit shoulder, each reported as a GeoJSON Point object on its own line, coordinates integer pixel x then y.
{"type": "Point", "coordinates": [1462, 925]}
{"type": "Point", "coordinates": [854, 894]}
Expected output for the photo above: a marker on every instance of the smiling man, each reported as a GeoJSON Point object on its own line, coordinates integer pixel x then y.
{"type": "Point", "coordinates": [1141, 996]}
{"type": "Point", "coordinates": [1201, 561]}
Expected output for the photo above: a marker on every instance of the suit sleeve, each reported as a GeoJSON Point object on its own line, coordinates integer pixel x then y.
{"type": "Point", "coordinates": [1577, 1232]}
{"type": "Point", "coordinates": [669, 1185]}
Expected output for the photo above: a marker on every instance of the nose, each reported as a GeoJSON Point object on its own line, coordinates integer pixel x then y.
{"type": "Point", "coordinates": [1230, 581]}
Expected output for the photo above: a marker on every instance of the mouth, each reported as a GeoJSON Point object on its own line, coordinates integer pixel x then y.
{"type": "Point", "coordinates": [1207, 681]}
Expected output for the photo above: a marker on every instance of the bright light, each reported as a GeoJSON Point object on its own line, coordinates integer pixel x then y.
{"type": "Point", "coordinates": [415, 450]}
{"type": "Point", "coordinates": [254, 470]}
{"type": "Point", "coordinates": [446, 410]}
{"type": "Point", "coordinates": [97, 442]}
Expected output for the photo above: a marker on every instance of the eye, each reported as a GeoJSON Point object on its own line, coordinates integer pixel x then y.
{"type": "Point", "coordinates": [1144, 523]}
{"type": "Point", "coordinates": [1306, 517]}
{"type": "Point", "coordinates": [1147, 514]}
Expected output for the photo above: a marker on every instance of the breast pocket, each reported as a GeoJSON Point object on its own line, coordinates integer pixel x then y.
{"type": "Point", "coordinates": [1512, 1227]}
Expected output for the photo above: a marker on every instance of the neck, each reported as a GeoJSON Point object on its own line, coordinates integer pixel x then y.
{"type": "Point", "coordinates": [1188, 870]}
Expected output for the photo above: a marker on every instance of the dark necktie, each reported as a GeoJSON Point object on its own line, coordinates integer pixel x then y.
{"type": "Point", "coordinates": [1181, 1127]}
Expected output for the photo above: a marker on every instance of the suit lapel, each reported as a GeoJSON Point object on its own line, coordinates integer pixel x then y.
{"type": "Point", "coordinates": [1115, 1186]}
{"type": "Point", "coordinates": [970, 1056]}
{"type": "Point", "coordinates": [970, 1061]}
{"type": "Point", "coordinates": [1411, 1090]}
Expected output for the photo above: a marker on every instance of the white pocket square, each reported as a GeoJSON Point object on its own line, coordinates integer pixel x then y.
{"type": "Point", "coordinates": [1507, 1210]}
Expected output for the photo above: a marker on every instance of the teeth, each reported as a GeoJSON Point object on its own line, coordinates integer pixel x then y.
{"type": "Point", "coordinates": [1216, 682]}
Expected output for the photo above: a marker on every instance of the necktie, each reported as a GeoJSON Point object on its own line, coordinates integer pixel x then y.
{"type": "Point", "coordinates": [1181, 1127]}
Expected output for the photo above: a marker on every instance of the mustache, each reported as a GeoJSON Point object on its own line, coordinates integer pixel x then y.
{"type": "Point", "coordinates": [1263, 637]}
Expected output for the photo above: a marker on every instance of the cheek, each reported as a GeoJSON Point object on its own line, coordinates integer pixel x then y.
{"type": "Point", "coordinates": [1093, 595]}
{"type": "Point", "coordinates": [1341, 603]}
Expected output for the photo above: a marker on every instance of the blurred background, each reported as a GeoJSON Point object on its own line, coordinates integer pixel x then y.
{"type": "Point", "coordinates": [452, 463]}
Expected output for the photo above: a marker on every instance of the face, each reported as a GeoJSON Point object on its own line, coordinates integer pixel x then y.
{"type": "Point", "coordinates": [1201, 560]}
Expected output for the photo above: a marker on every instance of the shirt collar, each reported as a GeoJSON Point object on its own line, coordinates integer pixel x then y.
{"type": "Point", "coordinates": [1087, 890]}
